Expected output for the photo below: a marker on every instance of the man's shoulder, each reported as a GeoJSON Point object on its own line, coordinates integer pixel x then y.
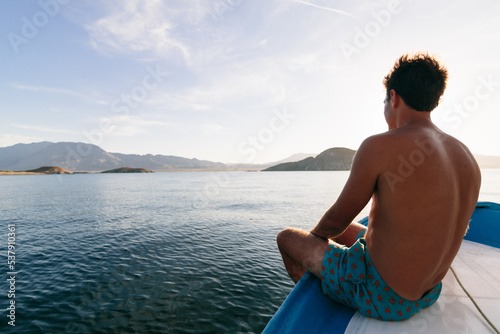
{"type": "Point", "coordinates": [375, 149]}
{"type": "Point", "coordinates": [386, 147]}
{"type": "Point", "coordinates": [379, 142]}
{"type": "Point", "coordinates": [402, 139]}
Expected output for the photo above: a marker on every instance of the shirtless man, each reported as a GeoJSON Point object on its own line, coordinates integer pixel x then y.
{"type": "Point", "coordinates": [424, 185]}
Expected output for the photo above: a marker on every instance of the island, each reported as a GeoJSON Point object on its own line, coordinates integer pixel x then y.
{"type": "Point", "coordinates": [47, 170]}
{"type": "Point", "coordinates": [39, 171]}
{"type": "Point", "coordinates": [337, 158]}
{"type": "Point", "coordinates": [128, 170]}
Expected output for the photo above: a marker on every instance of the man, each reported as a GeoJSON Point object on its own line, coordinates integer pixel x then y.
{"type": "Point", "coordinates": [424, 185]}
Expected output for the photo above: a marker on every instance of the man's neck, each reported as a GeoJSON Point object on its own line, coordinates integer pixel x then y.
{"type": "Point", "coordinates": [410, 117]}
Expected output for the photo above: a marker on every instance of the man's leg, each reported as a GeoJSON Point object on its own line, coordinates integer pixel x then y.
{"type": "Point", "coordinates": [303, 251]}
{"type": "Point", "coordinates": [349, 237]}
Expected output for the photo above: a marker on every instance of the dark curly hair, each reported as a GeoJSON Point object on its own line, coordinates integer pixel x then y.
{"type": "Point", "coordinates": [419, 80]}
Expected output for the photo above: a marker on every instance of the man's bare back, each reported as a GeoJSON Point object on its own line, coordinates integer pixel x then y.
{"type": "Point", "coordinates": [424, 185]}
{"type": "Point", "coordinates": [425, 194]}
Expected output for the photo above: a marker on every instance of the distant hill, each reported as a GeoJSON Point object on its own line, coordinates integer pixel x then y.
{"type": "Point", "coordinates": [261, 166]}
{"type": "Point", "coordinates": [337, 158]}
{"type": "Point", "coordinates": [128, 170]}
{"type": "Point", "coordinates": [87, 157]}
{"type": "Point", "coordinates": [50, 170]}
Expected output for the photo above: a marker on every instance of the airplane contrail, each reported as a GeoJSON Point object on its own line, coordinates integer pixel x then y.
{"type": "Point", "coordinates": [325, 8]}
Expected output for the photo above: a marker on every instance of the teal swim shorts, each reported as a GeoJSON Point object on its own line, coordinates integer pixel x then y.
{"type": "Point", "coordinates": [348, 276]}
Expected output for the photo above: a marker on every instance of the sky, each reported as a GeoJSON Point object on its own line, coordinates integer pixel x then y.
{"type": "Point", "coordinates": [247, 81]}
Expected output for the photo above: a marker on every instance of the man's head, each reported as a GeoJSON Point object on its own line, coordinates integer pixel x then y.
{"type": "Point", "coordinates": [418, 79]}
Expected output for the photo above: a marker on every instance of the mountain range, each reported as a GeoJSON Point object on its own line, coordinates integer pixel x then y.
{"type": "Point", "coordinates": [82, 157]}
{"type": "Point", "coordinates": [87, 157]}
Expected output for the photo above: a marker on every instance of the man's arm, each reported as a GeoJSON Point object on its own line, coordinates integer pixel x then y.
{"type": "Point", "coordinates": [356, 193]}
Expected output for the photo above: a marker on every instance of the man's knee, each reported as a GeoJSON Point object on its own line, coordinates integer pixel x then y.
{"type": "Point", "coordinates": [284, 236]}
{"type": "Point", "coordinates": [303, 248]}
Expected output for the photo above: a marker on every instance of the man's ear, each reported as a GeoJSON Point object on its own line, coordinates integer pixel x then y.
{"type": "Point", "coordinates": [395, 98]}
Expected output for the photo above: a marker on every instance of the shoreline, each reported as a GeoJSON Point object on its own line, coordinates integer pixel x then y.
{"type": "Point", "coordinates": [4, 172]}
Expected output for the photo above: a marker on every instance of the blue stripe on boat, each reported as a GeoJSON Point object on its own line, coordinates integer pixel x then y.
{"type": "Point", "coordinates": [299, 312]}
{"type": "Point", "coordinates": [484, 226]}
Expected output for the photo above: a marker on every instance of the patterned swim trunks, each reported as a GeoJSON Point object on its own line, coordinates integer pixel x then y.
{"type": "Point", "coordinates": [348, 276]}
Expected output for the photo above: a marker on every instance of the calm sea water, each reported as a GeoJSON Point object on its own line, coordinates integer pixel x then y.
{"type": "Point", "coordinates": [157, 253]}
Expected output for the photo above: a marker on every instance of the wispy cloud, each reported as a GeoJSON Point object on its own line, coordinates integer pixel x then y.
{"type": "Point", "coordinates": [181, 33]}
{"type": "Point", "coordinates": [129, 126]}
{"type": "Point", "coordinates": [147, 27]}
{"type": "Point", "coordinates": [51, 90]}
{"type": "Point", "coordinates": [42, 128]}
{"type": "Point", "coordinates": [256, 86]}
{"type": "Point", "coordinates": [210, 128]}
{"type": "Point", "coordinates": [338, 11]}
